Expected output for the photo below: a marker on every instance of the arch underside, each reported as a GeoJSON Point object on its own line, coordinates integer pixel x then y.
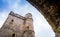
{"type": "Point", "coordinates": [50, 9]}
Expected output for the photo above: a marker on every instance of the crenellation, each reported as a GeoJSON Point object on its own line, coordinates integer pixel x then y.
{"type": "Point", "coordinates": [16, 15]}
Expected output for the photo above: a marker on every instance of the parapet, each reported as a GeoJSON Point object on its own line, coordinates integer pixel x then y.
{"type": "Point", "coordinates": [16, 15]}
{"type": "Point", "coordinates": [28, 15]}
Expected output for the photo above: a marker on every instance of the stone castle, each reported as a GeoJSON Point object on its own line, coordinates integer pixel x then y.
{"type": "Point", "coordinates": [18, 26]}
{"type": "Point", "coordinates": [50, 9]}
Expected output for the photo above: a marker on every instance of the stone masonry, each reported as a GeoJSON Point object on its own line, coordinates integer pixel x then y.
{"type": "Point", "coordinates": [18, 26]}
{"type": "Point", "coordinates": [50, 9]}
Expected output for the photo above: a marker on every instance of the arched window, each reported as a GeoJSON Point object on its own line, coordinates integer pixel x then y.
{"type": "Point", "coordinates": [13, 35]}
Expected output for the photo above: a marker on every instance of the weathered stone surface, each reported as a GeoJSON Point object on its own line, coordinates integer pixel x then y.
{"type": "Point", "coordinates": [17, 26]}
{"type": "Point", "coordinates": [51, 11]}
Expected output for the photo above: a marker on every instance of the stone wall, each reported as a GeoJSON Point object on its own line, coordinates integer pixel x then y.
{"type": "Point", "coordinates": [17, 26]}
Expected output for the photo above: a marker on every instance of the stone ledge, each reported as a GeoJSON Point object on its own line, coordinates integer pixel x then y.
{"type": "Point", "coordinates": [16, 15]}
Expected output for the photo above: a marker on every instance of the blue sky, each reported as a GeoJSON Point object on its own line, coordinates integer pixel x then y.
{"type": "Point", "coordinates": [22, 7]}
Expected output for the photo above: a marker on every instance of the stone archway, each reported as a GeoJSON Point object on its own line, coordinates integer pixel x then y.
{"type": "Point", "coordinates": [50, 9]}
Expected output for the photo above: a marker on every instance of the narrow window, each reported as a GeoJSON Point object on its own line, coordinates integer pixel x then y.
{"type": "Point", "coordinates": [13, 35]}
{"type": "Point", "coordinates": [28, 27]}
{"type": "Point", "coordinates": [11, 22]}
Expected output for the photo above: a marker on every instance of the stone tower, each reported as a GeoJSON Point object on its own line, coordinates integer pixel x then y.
{"type": "Point", "coordinates": [18, 26]}
{"type": "Point", "coordinates": [50, 9]}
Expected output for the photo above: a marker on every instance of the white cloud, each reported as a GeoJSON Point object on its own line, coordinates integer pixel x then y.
{"type": "Point", "coordinates": [3, 17]}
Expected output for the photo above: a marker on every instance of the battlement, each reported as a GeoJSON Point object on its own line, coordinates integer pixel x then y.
{"type": "Point", "coordinates": [16, 15]}
{"type": "Point", "coordinates": [29, 15]}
